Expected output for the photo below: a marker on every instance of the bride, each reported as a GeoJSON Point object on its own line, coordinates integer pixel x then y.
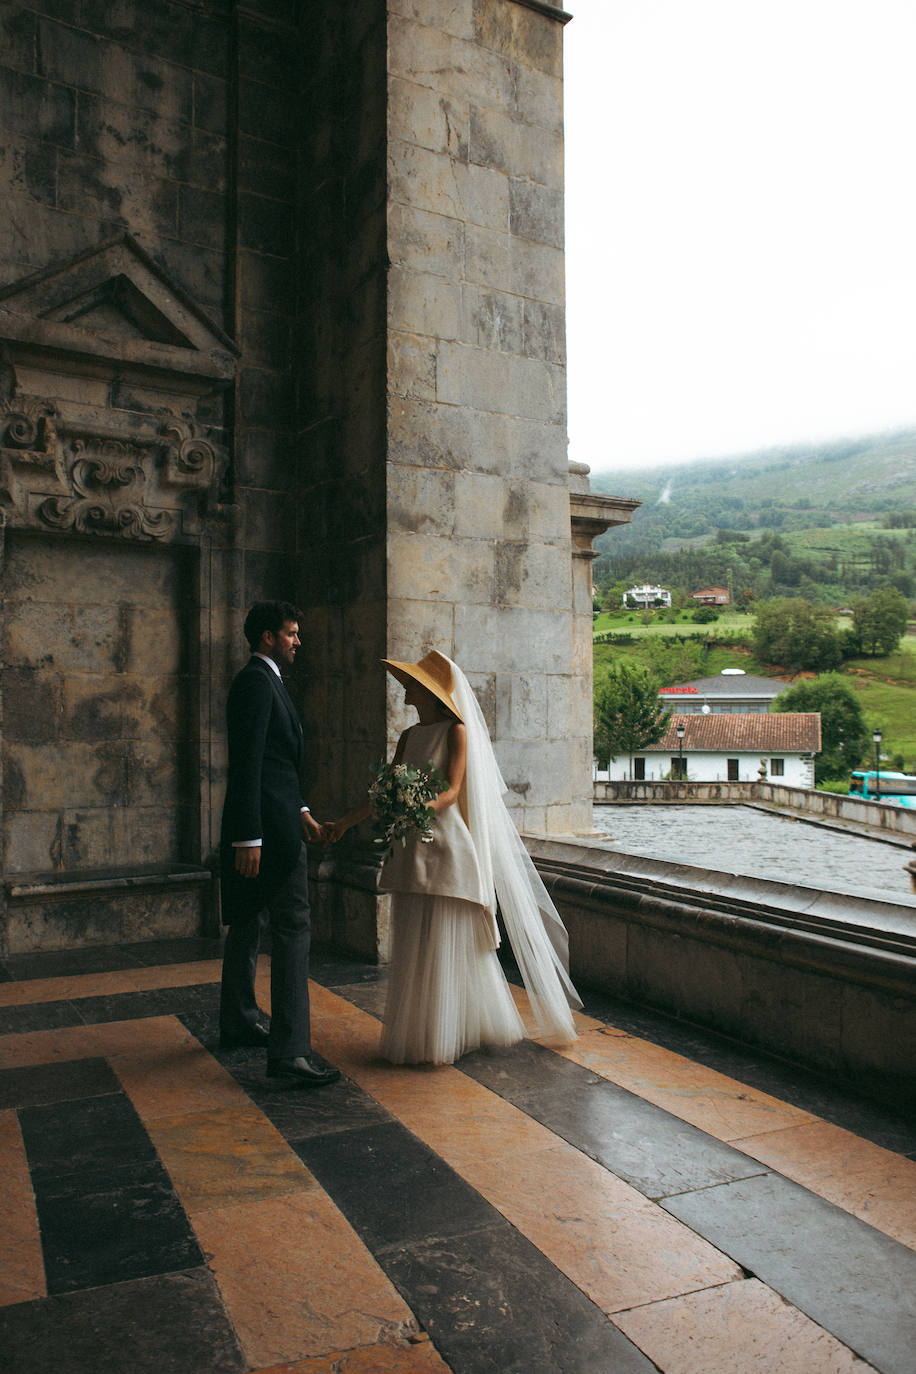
{"type": "Point", "coordinates": [447, 993]}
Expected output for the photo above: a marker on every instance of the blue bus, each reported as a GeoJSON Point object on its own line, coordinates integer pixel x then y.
{"type": "Point", "coordinates": [898, 788]}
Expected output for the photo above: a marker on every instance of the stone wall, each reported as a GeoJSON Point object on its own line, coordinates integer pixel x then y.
{"type": "Point", "coordinates": [327, 241]}
{"type": "Point", "coordinates": [479, 559]}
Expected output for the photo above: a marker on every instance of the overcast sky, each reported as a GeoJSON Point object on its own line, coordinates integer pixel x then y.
{"type": "Point", "coordinates": [741, 224]}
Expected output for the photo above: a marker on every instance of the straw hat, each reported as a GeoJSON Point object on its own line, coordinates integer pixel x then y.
{"type": "Point", "coordinates": [434, 672]}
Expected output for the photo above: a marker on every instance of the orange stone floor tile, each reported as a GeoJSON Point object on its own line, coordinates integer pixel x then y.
{"type": "Point", "coordinates": [296, 1280]}
{"type": "Point", "coordinates": [605, 1236]}
{"type": "Point", "coordinates": [714, 1103]}
{"type": "Point", "coordinates": [741, 1328]}
{"type": "Point", "coordinates": [22, 1271]}
{"type": "Point", "coordinates": [616, 1245]}
{"type": "Point", "coordinates": [305, 1295]}
{"type": "Point", "coordinates": [27, 992]}
{"type": "Point", "coordinates": [231, 1155]}
{"type": "Point", "coordinates": [112, 1040]}
{"type": "Point", "coordinates": [872, 1183]}
{"type": "Point", "coordinates": [413, 1358]}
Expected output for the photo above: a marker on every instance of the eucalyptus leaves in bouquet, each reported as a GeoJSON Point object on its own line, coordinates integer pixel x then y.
{"type": "Point", "coordinates": [399, 796]}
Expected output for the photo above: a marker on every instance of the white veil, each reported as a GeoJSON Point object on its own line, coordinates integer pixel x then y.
{"type": "Point", "coordinates": [536, 932]}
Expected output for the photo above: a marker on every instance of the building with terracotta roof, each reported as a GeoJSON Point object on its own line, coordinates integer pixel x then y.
{"type": "Point", "coordinates": [729, 748]}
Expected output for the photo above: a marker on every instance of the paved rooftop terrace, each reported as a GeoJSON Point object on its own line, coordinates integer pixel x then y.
{"type": "Point", "coordinates": [654, 1198]}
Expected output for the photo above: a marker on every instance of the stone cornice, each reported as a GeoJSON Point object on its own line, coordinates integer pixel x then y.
{"type": "Point", "coordinates": [543, 7]}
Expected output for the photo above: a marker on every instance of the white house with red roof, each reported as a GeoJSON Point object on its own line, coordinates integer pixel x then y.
{"type": "Point", "coordinates": [729, 748]}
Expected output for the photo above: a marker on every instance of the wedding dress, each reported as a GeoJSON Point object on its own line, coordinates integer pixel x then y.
{"type": "Point", "coordinates": [447, 993]}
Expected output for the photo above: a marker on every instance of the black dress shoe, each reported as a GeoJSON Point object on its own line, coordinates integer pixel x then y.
{"type": "Point", "coordinates": [254, 1037]}
{"type": "Point", "coordinates": [301, 1071]}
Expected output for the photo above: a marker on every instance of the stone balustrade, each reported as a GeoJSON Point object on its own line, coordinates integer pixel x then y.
{"type": "Point", "coordinates": [824, 979]}
{"type": "Point", "coordinates": [825, 807]}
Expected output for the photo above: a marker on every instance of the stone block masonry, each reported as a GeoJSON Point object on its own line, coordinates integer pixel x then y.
{"type": "Point", "coordinates": [323, 246]}
{"type": "Point", "coordinates": [476, 382]}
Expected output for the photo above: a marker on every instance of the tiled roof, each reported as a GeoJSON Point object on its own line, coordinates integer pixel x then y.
{"type": "Point", "coordinates": [745, 685]}
{"type": "Point", "coordinates": [786, 732]}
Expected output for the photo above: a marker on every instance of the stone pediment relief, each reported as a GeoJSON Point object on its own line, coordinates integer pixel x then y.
{"type": "Point", "coordinates": [105, 365]}
{"type": "Point", "coordinates": [113, 308]}
{"type": "Point", "coordinates": [90, 480]}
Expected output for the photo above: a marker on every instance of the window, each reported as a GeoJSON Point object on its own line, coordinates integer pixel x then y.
{"type": "Point", "coordinates": [733, 769]}
{"type": "Point", "coordinates": [777, 768]}
{"type": "Point", "coordinates": [639, 770]}
{"type": "Point", "coordinates": [678, 769]}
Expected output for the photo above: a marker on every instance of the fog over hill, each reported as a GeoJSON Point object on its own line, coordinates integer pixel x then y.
{"type": "Point", "coordinates": [779, 488]}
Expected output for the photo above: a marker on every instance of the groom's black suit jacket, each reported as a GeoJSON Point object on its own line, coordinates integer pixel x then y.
{"type": "Point", "coordinates": [263, 795]}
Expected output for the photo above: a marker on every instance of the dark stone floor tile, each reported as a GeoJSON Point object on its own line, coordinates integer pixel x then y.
{"type": "Point", "coordinates": [43, 1083]}
{"type": "Point", "coordinates": [301, 1115]}
{"type": "Point", "coordinates": [152, 953]}
{"type": "Point", "coordinates": [134, 1006]}
{"type": "Point", "coordinates": [170, 1324]}
{"type": "Point", "coordinates": [333, 970]}
{"type": "Point", "coordinates": [106, 1228]}
{"type": "Point", "coordinates": [391, 1187]}
{"type": "Point", "coordinates": [62, 963]}
{"type": "Point", "coordinates": [648, 1147]}
{"type": "Point", "coordinates": [493, 1304]}
{"type": "Point", "coordinates": [854, 1281]}
{"type": "Point", "coordinates": [369, 997]}
{"type": "Point", "coordinates": [204, 1024]}
{"type": "Point", "coordinates": [824, 1097]}
{"type": "Point", "coordinates": [84, 1137]}
{"type": "Point", "coordinates": [38, 1016]}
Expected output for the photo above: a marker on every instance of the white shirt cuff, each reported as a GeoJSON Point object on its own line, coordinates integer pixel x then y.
{"type": "Point", "coordinates": [245, 844]}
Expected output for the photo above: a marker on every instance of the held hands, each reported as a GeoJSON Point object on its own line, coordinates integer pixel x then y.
{"type": "Point", "coordinates": [312, 829]}
{"type": "Point", "coordinates": [248, 857]}
{"type": "Point", "coordinates": [333, 830]}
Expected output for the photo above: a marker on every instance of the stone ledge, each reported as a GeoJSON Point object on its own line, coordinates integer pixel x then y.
{"type": "Point", "coordinates": [824, 979]}
{"type": "Point", "coordinates": [543, 7]}
{"type": "Point", "coordinates": [45, 911]}
{"type": "Point", "coordinates": [29, 886]}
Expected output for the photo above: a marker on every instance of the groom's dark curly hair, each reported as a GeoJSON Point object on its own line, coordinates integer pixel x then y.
{"type": "Point", "coordinates": [268, 615]}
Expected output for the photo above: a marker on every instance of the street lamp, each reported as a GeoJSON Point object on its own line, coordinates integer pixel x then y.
{"type": "Point", "coordinates": [877, 737]}
{"type": "Point", "coordinates": [679, 731]}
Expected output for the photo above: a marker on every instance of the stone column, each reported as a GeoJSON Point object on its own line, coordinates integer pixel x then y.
{"type": "Point", "coordinates": [590, 515]}
{"type": "Point", "coordinates": [478, 508]}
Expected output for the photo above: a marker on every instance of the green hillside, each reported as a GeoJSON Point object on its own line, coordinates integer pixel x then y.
{"type": "Point", "coordinates": [786, 489]}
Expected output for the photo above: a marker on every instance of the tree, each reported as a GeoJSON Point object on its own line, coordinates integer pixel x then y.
{"type": "Point", "coordinates": [628, 712]}
{"type": "Point", "coordinates": [844, 735]}
{"type": "Point", "coordinates": [797, 634]}
{"type": "Point", "coordinates": [880, 622]}
{"type": "Point", "coordinates": [612, 597]}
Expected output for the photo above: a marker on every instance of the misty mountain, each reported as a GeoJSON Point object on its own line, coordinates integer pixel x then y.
{"type": "Point", "coordinates": [792, 487]}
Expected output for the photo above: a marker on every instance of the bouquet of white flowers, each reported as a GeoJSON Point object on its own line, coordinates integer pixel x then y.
{"type": "Point", "coordinates": [399, 795]}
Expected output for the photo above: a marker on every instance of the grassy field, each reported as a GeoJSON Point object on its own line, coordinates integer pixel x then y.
{"type": "Point", "coordinates": [885, 687]}
{"type": "Point", "coordinates": [634, 623]}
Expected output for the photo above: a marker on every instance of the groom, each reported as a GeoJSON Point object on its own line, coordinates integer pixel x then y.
{"type": "Point", "coordinates": [263, 860]}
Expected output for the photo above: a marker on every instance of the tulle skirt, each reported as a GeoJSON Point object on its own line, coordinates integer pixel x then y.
{"type": "Point", "coordinates": [447, 993]}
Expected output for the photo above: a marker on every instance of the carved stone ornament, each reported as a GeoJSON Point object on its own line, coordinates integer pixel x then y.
{"type": "Point", "coordinates": [96, 481]}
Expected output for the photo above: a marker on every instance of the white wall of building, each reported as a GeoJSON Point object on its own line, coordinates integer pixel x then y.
{"type": "Point", "coordinates": [798, 770]}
